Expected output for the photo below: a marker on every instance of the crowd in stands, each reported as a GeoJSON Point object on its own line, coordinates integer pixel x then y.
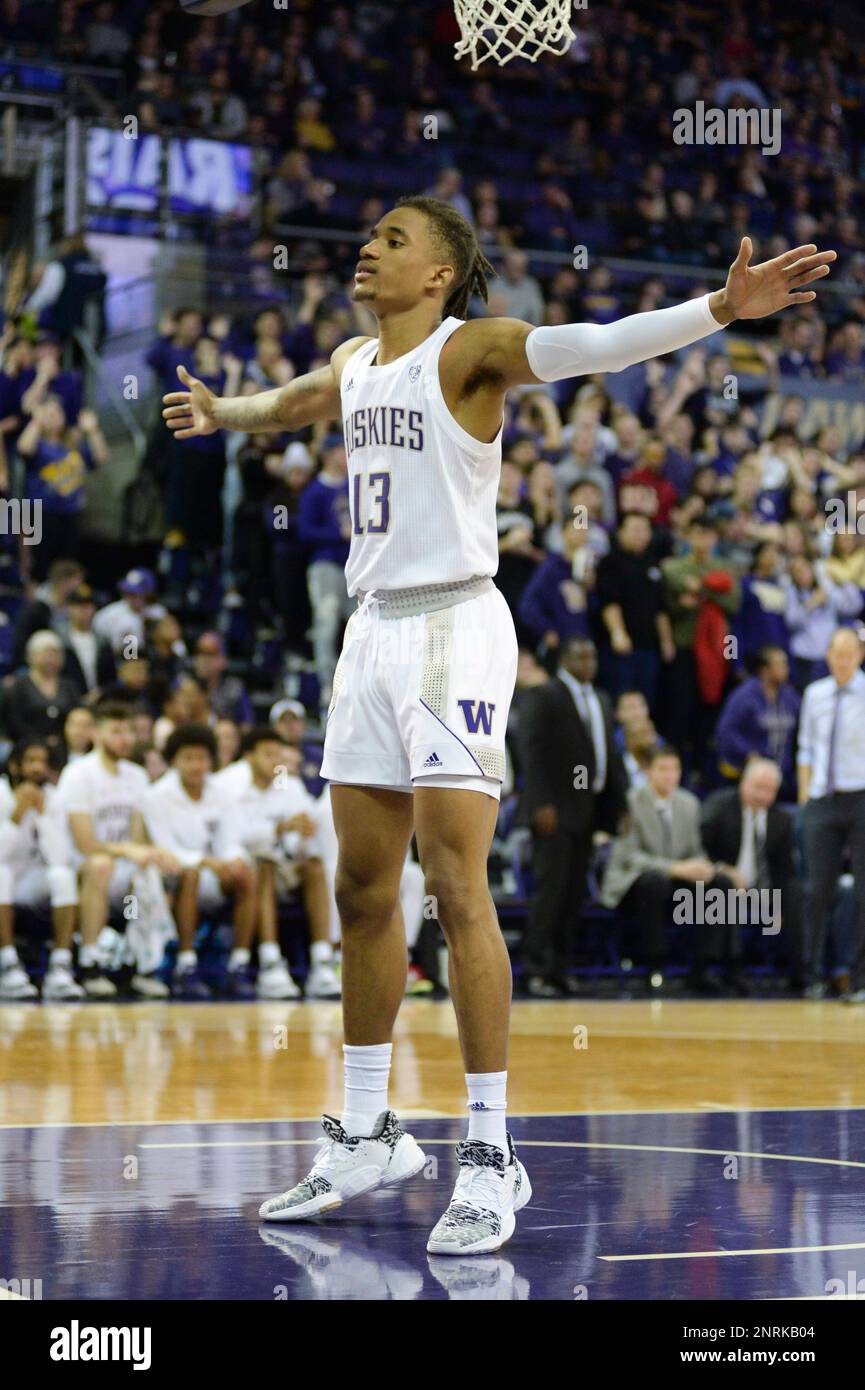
{"type": "Point", "coordinates": [690, 551]}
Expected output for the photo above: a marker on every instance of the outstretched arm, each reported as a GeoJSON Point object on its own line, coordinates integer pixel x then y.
{"type": "Point", "coordinates": [522, 355]}
{"type": "Point", "coordinates": [304, 401]}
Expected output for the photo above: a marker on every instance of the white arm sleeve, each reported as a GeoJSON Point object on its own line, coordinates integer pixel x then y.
{"type": "Point", "coordinates": [578, 349]}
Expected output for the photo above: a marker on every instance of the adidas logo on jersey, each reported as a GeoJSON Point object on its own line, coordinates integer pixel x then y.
{"type": "Point", "coordinates": [349, 384]}
{"type": "Point", "coordinates": [433, 761]}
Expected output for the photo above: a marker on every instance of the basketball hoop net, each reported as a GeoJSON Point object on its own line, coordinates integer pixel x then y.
{"type": "Point", "coordinates": [506, 29]}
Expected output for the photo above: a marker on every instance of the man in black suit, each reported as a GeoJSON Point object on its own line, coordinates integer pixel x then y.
{"type": "Point", "coordinates": [743, 828]}
{"type": "Point", "coordinates": [575, 785]}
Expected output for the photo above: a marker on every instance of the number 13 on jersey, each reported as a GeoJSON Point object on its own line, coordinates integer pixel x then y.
{"type": "Point", "coordinates": [371, 504]}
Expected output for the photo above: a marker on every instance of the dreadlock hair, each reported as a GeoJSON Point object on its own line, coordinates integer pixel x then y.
{"type": "Point", "coordinates": [455, 237]}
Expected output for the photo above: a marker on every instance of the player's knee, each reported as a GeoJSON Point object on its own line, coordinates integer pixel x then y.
{"type": "Point", "coordinates": [98, 868]}
{"type": "Point", "coordinates": [361, 902]}
{"type": "Point", "coordinates": [455, 896]}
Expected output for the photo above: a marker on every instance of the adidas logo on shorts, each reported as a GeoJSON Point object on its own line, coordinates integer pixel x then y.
{"type": "Point", "coordinates": [433, 761]}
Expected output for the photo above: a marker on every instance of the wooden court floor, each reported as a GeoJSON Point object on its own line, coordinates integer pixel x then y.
{"type": "Point", "coordinates": [141, 1063]}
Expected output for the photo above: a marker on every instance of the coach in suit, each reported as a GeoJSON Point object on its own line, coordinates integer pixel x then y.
{"type": "Point", "coordinates": [574, 785]}
{"type": "Point", "coordinates": [742, 826]}
{"type": "Point", "coordinates": [659, 855]}
{"type": "Point", "coordinates": [831, 771]}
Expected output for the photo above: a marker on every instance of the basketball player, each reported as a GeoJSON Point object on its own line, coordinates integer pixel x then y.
{"type": "Point", "coordinates": [416, 726]}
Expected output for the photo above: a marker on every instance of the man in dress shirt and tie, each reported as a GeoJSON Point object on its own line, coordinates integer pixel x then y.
{"type": "Point", "coordinates": [574, 785]}
{"type": "Point", "coordinates": [831, 773]}
{"type": "Point", "coordinates": [743, 827]}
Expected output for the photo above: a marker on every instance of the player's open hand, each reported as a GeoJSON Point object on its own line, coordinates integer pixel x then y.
{"type": "Point", "coordinates": [752, 292]}
{"type": "Point", "coordinates": [189, 413]}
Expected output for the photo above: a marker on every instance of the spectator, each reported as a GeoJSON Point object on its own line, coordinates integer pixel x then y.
{"type": "Point", "coordinates": [50, 380]}
{"type": "Point", "coordinates": [555, 602]}
{"type": "Point", "coordinates": [324, 524]}
{"type": "Point", "coordinates": [630, 601]}
{"type": "Point", "coordinates": [227, 737]}
{"type": "Point", "coordinates": [89, 660]}
{"type": "Point", "coordinates": [691, 582]}
{"type": "Point", "coordinates": [831, 771]}
{"type": "Point", "coordinates": [815, 607]}
{"type": "Point", "coordinates": [107, 40]}
{"type": "Point", "coordinates": [122, 623]}
{"type": "Point", "coordinates": [640, 737]}
{"type": "Point", "coordinates": [448, 188]}
{"type": "Point", "coordinates": [661, 855]}
{"type": "Point", "coordinates": [761, 620]}
{"type": "Point", "coordinates": [58, 461]}
{"type": "Point", "coordinates": [226, 694]}
{"type": "Point", "coordinates": [48, 609]}
{"type": "Point", "coordinates": [131, 685]}
{"type": "Point", "coordinates": [217, 110]}
{"type": "Point", "coordinates": [847, 361]}
{"type": "Point", "coordinates": [760, 718]}
{"type": "Point", "coordinates": [36, 703]}
{"type": "Point", "coordinates": [574, 786]}
{"type": "Point", "coordinates": [79, 732]}
{"type": "Point", "coordinates": [519, 292]}
{"type": "Point", "coordinates": [743, 826]}
{"type": "Point", "coordinates": [70, 291]}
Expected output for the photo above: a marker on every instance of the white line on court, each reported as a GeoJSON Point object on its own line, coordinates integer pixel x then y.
{"type": "Point", "coordinates": [533, 1144]}
{"type": "Point", "coordinates": [720, 1254]}
{"type": "Point", "coordinates": [697, 1109]}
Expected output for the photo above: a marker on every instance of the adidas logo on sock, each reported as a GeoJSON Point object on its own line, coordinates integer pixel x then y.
{"type": "Point", "coordinates": [433, 761]}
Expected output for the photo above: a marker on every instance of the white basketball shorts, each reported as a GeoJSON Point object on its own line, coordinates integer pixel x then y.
{"type": "Point", "coordinates": [423, 700]}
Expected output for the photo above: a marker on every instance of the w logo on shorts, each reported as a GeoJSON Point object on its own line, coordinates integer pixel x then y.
{"type": "Point", "coordinates": [482, 718]}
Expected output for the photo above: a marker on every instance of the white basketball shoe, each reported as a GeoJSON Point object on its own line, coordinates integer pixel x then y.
{"type": "Point", "coordinates": [488, 1193]}
{"type": "Point", "coordinates": [346, 1167]}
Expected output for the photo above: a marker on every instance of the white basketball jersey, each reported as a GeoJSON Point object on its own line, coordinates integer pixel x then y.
{"type": "Point", "coordinates": [422, 490]}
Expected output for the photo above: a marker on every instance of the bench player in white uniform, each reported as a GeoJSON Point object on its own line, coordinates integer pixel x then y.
{"type": "Point", "coordinates": [279, 832]}
{"type": "Point", "coordinates": [417, 723]}
{"type": "Point", "coordinates": [36, 871]}
{"type": "Point", "coordinates": [194, 821]}
{"type": "Point", "coordinates": [101, 797]}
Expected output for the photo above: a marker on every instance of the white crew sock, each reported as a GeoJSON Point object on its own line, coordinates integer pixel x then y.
{"type": "Point", "coordinates": [89, 955]}
{"type": "Point", "coordinates": [238, 958]}
{"type": "Point", "coordinates": [366, 1075]}
{"type": "Point", "coordinates": [321, 951]}
{"type": "Point", "coordinates": [8, 956]}
{"type": "Point", "coordinates": [60, 959]}
{"type": "Point", "coordinates": [487, 1105]}
{"type": "Point", "coordinates": [269, 954]}
{"type": "Point", "coordinates": [187, 960]}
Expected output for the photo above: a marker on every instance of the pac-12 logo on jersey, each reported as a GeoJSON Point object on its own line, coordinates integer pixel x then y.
{"type": "Point", "coordinates": [480, 718]}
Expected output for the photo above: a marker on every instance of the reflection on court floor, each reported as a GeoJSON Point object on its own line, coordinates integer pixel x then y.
{"type": "Point", "coordinates": [710, 1205]}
